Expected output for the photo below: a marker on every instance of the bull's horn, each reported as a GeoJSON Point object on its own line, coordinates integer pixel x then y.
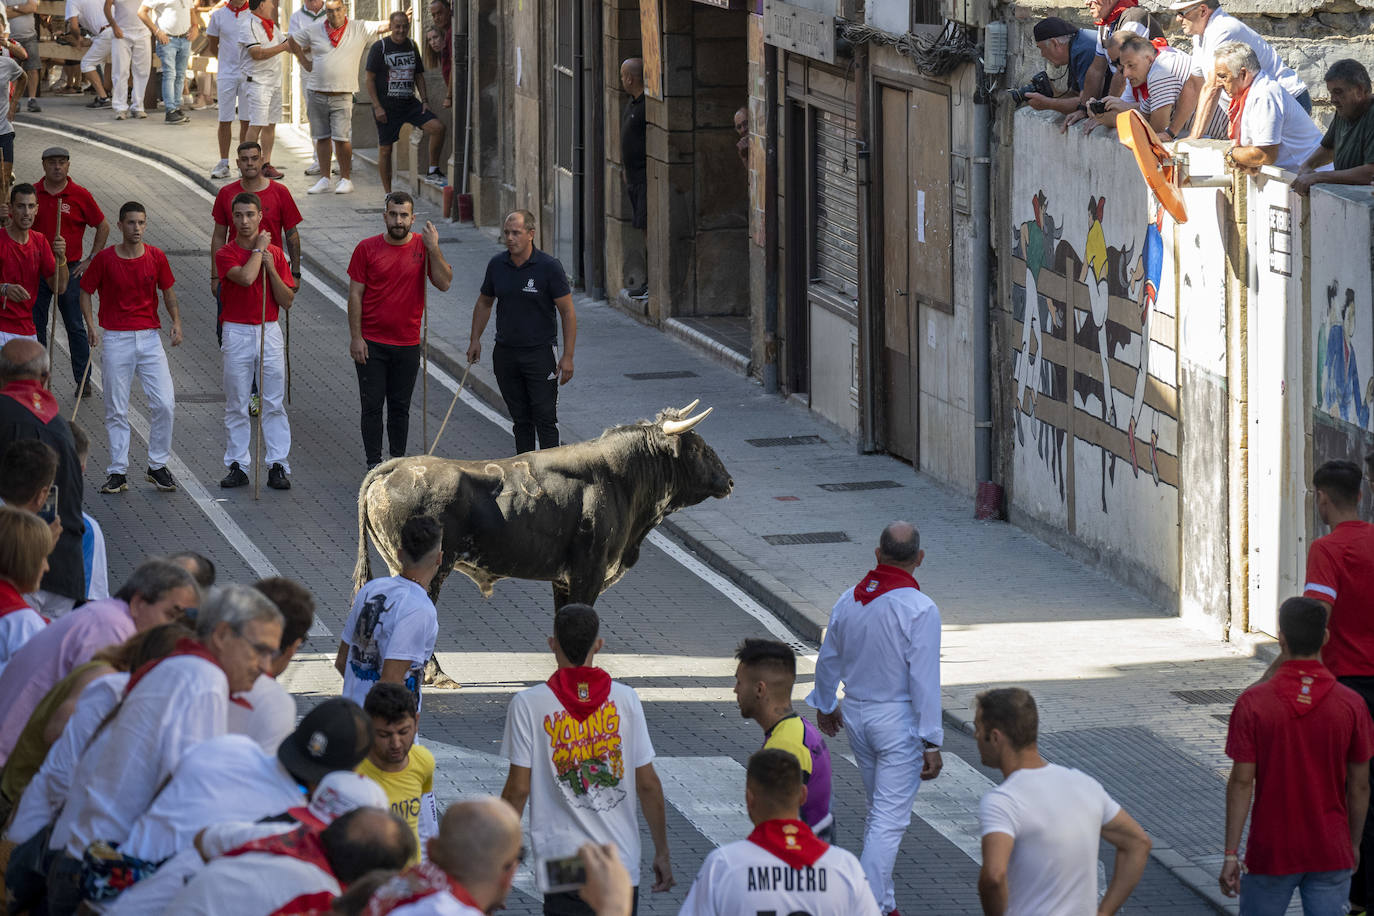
{"type": "Point", "coordinates": [689, 408]}
{"type": "Point", "coordinates": [678, 427]}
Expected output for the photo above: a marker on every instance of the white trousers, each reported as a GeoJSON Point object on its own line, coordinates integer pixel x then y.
{"type": "Point", "coordinates": [6, 337]}
{"type": "Point", "coordinates": [889, 756]}
{"type": "Point", "coordinates": [134, 51]}
{"type": "Point", "coordinates": [125, 354]}
{"type": "Point", "coordinates": [240, 351]}
{"type": "Point", "coordinates": [155, 893]}
{"type": "Point", "coordinates": [99, 52]}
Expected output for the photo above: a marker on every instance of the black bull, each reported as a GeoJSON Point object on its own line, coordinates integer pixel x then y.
{"type": "Point", "coordinates": [574, 515]}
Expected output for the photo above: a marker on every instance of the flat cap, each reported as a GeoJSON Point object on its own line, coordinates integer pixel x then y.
{"type": "Point", "coordinates": [1054, 27]}
{"type": "Point", "coordinates": [56, 152]}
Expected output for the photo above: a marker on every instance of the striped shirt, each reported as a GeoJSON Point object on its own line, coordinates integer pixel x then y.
{"type": "Point", "coordinates": [1163, 83]}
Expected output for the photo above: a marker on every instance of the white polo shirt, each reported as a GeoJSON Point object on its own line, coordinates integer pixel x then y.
{"type": "Point", "coordinates": [253, 33]}
{"type": "Point", "coordinates": [301, 20]}
{"type": "Point", "coordinates": [1223, 27]}
{"type": "Point", "coordinates": [1272, 116]}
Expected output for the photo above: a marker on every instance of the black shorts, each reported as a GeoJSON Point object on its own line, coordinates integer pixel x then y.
{"type": "Point", "coordinates": [639, 203]}
{"type": "Point", "coordinates": [413, 114]}
{"type": "Point", "coordinates": [7, 146]}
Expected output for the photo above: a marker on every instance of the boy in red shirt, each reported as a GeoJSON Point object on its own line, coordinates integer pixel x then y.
{"type": "Point", "coordinates": [126, 277]}
{"type": "Point", "coordinates": [256, 279]}
{"type": "Point", "coordinates": [1301, 745]}
{"type": "Point", "coordinates": [386, 301]}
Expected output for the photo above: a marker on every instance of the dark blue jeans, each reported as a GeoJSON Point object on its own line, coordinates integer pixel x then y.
{"type": "Point", "coordinates": [69, 305]}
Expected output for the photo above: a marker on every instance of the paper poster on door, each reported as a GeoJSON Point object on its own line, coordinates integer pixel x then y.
{"type": "Point", "coordinates": [920, 216]}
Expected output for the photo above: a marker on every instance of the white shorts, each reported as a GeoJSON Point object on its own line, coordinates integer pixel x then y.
{"type": "Point", "coordinates": [98, 54]}
{"type": "Point", "coordinates": [264, 103]}
{"type": "Point", "coordinates": [232, 93]}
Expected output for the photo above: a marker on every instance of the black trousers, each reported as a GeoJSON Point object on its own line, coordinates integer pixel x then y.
{"type": "Point", "coordinates": [572, 904]}
{"type": "Point", "coordinates": [528, 379]}
{"type": "Point", "coordinates": [1362, 882]}
{"type": "Point", "coordinates": [388, 377]}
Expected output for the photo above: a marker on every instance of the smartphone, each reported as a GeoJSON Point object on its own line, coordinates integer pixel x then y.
{"type": "Point", "coordinates": [49, 510]}
{"type": "Point", "coordinates": [1097, 107]}
{"type": "Point", "coordinates": [560, 875]}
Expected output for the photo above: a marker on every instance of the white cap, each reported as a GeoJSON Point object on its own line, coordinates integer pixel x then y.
{"type": "Point", "coordinates": [339, 793]}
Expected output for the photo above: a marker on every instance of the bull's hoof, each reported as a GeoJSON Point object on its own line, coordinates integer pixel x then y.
{"type": "Point", "coordinates": [436, 679]}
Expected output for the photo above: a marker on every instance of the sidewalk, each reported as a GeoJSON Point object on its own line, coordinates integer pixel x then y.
{"type": "Point", "coordinates": [1134, 697]}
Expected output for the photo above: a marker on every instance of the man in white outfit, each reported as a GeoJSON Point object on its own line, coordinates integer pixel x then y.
{"type": "Point", "coordinates": [222, 32]}
{"type": "Point", "coordinates": [90, 15]}
{"type": "Point", "coordinates": [131, 52]}
{"type": "Point", "coordinates": [261, 40]}
{"type": "Point", "coordinates": [309, 12]}
{"type": "Point", "coordinates": [883, 643]}
{"type": "Point", "coordinates": [126, 277]}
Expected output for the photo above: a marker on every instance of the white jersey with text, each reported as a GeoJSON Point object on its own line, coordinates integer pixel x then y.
{"type": "Point", "coordinates": [744, 879]}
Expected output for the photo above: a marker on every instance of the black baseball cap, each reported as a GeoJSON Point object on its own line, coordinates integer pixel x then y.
{"type": "Point", "coordinates": [1053, 27]}
{"type": "Point", "coordinates": [336, 735]}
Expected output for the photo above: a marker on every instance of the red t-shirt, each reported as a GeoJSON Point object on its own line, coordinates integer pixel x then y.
{"type": "Point", "coordinates": [394, 298]}
{"type": "Point", "coordinates": [278, 210]}
{"type": "Point", "coordinates": [23, 264]}
{"type": "Point", "coordinates": [79, 210]}
{"type": "Point", "coordinates": [243, 304]}
{"type": "Point", "coordinates": [1298, 821]}
{"type": "Point", "coordinates": [128, 287]}
{"type": "Point", "coordinates": [1340, 571]}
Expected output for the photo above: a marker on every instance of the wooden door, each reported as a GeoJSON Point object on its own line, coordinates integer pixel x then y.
{"type": "Point", "coordinates": [901, 380]}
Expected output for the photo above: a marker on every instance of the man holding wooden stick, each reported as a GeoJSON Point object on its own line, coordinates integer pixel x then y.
{"type": "Point", "coordinates": [386, 307]}
{"type": "Point", "coordinates": [126, 277]}
{"type": "Point", "coordinates": [257, 283]}
{"type": "Point", "coordinates": [26, 257]}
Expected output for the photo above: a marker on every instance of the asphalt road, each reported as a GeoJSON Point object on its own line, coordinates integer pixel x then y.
{"type": "Point", "coordinates": [670, 628]}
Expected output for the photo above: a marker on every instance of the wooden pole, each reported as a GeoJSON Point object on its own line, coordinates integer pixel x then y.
{"type": "Point", "coordinates": [424, 351]}
{"type": "Point", "coordinates": [262, 353]}
{"type": "Point", "coordinates": [286, 334]}
{"type": "Point", "coordinates": [52, 303]}
{"type": "Point", "coordinates": [81, 390]}
{"type": "Point", "coordinates": [452, 404]}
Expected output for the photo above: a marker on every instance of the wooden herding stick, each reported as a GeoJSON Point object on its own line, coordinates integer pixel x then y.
{"type": "Point", "coordinates": [262, 353]}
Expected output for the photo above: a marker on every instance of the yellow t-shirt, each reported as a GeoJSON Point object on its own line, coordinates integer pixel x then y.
{"type": "Point", "coordinates": [406, 789]}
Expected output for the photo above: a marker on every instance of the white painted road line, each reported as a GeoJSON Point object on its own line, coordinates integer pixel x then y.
{"type": "Point", "coordinates": [709, 791]}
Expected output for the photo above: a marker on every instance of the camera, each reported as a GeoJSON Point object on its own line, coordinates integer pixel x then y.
{"type": "Point", "coordinates": [1039, 83]}
{"type": "Point", "coordinates": [1097, 107]}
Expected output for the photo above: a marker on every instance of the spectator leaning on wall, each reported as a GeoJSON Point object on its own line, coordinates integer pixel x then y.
{"type": "Point", "coordinates": [1159, 85]}
{"type": "Point", "coordinates": [1268, 125]}
{"type": "Point", "coordinates": [1349, 142]}
{"type": "Point", "coordinates": [1063, 44]}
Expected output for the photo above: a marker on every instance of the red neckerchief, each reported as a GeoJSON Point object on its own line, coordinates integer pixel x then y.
{"type": "Point", "coordinates": [301, 843]}
{"type": "Point", "coordinates": [881, 580]}
{"type": "Point", "coordinates": [319, 903]}
{"type": "Point", "coordinates": [237, 9]}
{"type": "Point", "coordinates": [335, 35]}
{"type": "Point", "coordinates": [1234, 110]}
{"type": "Point", "coordinates": [36, 399]}
{"type": "Point", "coordinates": [11, 601]}
{"type": "Point", "coordinates": [581, 690]}
{"type": "Point", "coordinates": [267, 25]}
{"type": "Point", "coordinates": [416, 883]}
{"type": "Point", "coordinates": [1142, 92]}
{"type": "Point", "coordinates": [1116, 12]}
{"type": "Point", "coordinates": [1302, 684]}
{"type": "Point", "coordinates": [184, 646]}
{"type": "Point", "coordinates": [789, 840]}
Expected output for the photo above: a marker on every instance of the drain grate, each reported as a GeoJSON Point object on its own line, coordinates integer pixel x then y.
{"type": "Point", "coordinates": [785, 440]}
{"type": "Point", "coordinates": [859, 485]}
{"type": "Point", "coordinates": [1208, 697]}
{"type": "Point", "coordinates": [654, 376]}
{"type": "Point", "coordinates": [200, 399]}
{"type": "Point", "coordinates": [809, 537]}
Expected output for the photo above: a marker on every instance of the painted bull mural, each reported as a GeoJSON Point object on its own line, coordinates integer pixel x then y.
{"type": "Point", "coordinates": [574, 515]}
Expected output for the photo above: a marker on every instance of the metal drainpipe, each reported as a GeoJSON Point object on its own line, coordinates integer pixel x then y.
{"type": "Point", "coordinates": [770, 219]}
{"type": "Point", "coordinates": [872, 422]}
{"type": "Point", "coordinates": [982, 312]}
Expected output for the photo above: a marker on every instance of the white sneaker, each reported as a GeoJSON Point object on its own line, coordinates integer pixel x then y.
{"type": "Point", "coordinates": [221, 170]}
{"type": "Point", "coordinates": [139, 113]}
{"type": "Point", "coordinates": [124, 116]}
{"type": "Point", "coordinates": [344, 187]}
{"type": "Point", "coordinates": [319, 187]}
{"type": "Point", "coordinates": [313, 168]}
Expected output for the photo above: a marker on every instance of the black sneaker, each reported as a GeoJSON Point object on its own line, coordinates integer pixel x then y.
{"type": "Point", "coordinates": [99, 103]}
{"type": "Point", "coordinates": [177, 116]}
{"type": "Point", "coordinates": [276, 478]}
{"type": "Point", "coordinates": [34, 106]}
{"type": "Point", "coordinates": [162, 479]}
{"type": "Point", "coordinates": [235, 477]}
{"type": "Point", "coordinates": [115, 483]}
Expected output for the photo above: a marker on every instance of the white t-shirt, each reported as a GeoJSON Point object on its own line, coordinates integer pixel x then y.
{"type": "Point", "coordinates": [440, 904]}
{"type": "Point", "coordinates": [178, 704]}
{"type": "Point", "coordinates": [253, 32]}
{"type": "Point", "coordinates": [90, 14]}
{"type": "Point", "coordinates": [1272, 116]}
{"type": "Point", "coordinates": [301, 20]}
{"type": "Point", "coordinates": [17, 628]}
{"type": "Point", "coordinates": [335, 67]}
{"type": "Point", "coordinates": [10, 70]}
{"type": "Point", "coordinates": [254, 882]}
{"type": "Point", "coordinates": [582, 774]}
{"type": "Point", "coordinates": [172, 16]}
{"type": "Point", "coordinates": [744, 879]}
{"type": "Point", "coordinates": [1056, 816]}
{"type": "Point", "coordinates": [47, 791]}
{"type": "Point", "coordinates": [223, 779]}
{"type": "Point", "coordinates": [125, 15]}
{"type": "Point", "coordinates": [391, 617]}
{"type": "Point", "coordinates": [224, 25]}
{"type": "Point", "coordinates": [1223, 27]}
{"type": "Point", "coordinates": [271, 718]}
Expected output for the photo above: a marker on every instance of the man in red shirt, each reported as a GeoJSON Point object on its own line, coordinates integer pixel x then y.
{"type": "Point", "coordinates": [26, 259]}
{"type": "Point", "coordinates": [79, 212]}
{"type": "Point", "coordinates": [126, 276]}
{"type": "Point", "coordinates": [256, 280]}
{"type": "Point", "coordinates": [386, 302]}
{"type": "Point", "coordinates": [1301, 744]}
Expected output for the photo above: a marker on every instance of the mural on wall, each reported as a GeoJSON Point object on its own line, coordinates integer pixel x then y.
{"type": "Point", "coordinates": [1339, 390]}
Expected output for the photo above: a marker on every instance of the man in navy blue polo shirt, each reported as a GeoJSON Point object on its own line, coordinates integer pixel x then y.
{"type": "Point", "coordinates": [529, 290]}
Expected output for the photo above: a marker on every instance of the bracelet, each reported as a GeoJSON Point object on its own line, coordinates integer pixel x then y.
{"type": "Point", "coordinates": [1232, 852]}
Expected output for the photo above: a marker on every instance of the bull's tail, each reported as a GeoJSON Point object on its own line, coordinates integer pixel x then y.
{"type": "Point", "coordinates": [362, 570]}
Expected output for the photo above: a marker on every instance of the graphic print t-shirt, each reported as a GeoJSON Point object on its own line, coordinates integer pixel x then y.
{"type": "Point", "coordinates": [391, 618]}
{"type": "Point", "coordinates": [582, 774]}
{"type": "Point", "coordinates": [410, 792]}
{"type": "Point", "coordinates": [397, 67]}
